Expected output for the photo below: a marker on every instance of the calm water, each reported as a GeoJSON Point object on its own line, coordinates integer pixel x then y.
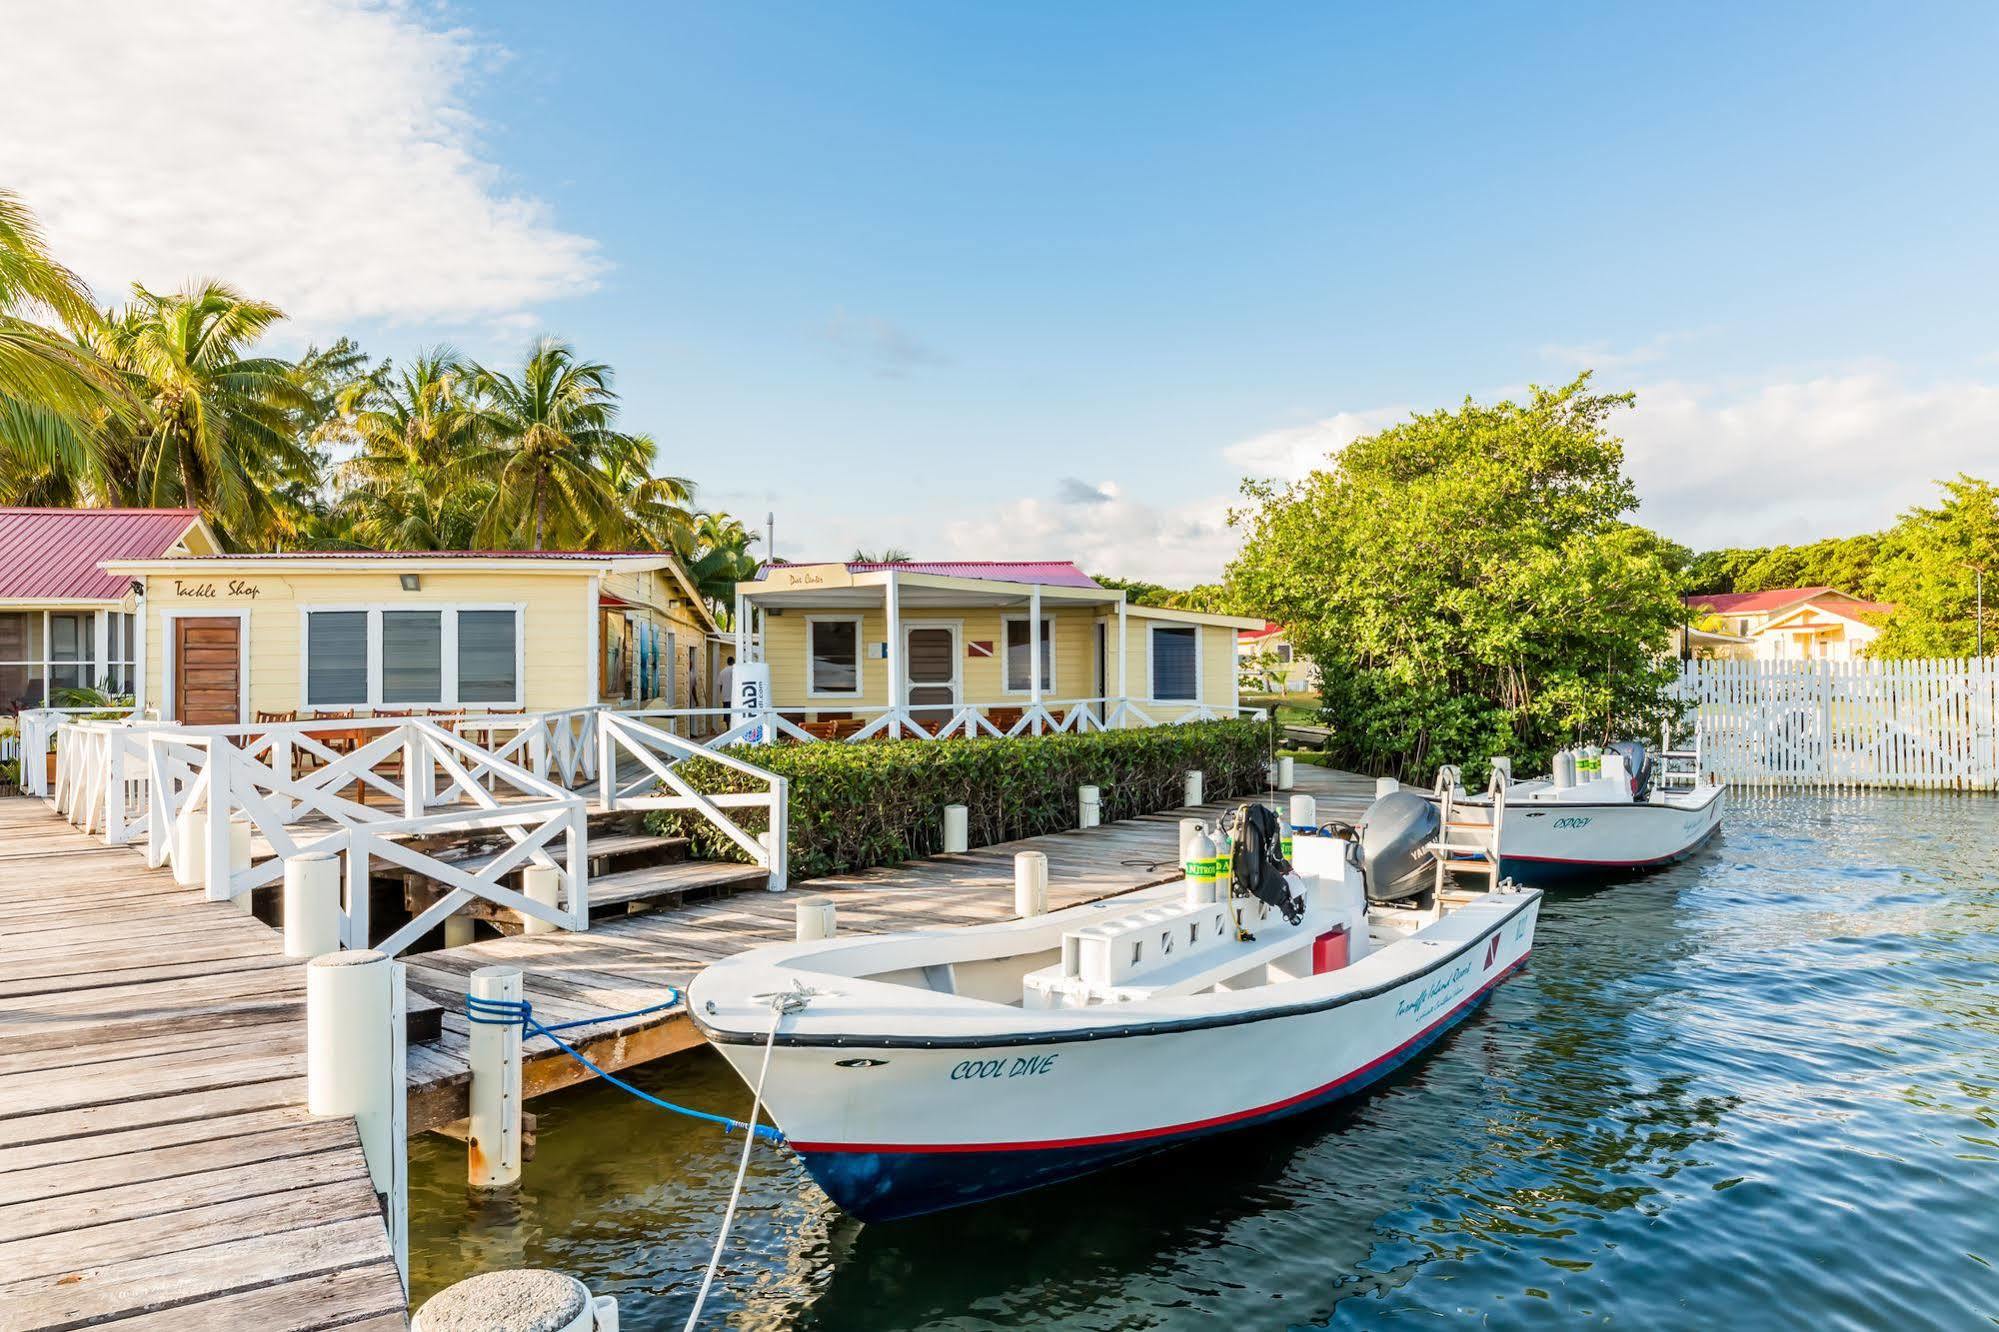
{"type": "Point", "coordinates": [1755, 1090]}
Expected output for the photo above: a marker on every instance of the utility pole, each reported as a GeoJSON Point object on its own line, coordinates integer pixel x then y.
{"type": "Point", "coordinates": [770, 538]}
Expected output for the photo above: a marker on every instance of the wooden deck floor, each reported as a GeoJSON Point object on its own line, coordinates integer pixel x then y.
{"type": "Point", "coordinates": [625, 964]}
{"type": "Point", "coordinates": [157, 1165]}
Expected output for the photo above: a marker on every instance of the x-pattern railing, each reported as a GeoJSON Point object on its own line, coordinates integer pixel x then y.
{"type": "Point", "coordinates": [656, 755]}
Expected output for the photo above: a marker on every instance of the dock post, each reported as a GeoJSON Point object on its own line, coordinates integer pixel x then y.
{"type": "Point", "coordinates": [1385, 786]}
{"type": "Point", "coordinates": [1193, 795]}
{"type": "Point", "coordinates": [1304, 813]}
{"type": "Point", "coordinates": [1030, 883]}
{"type": "Point", "coordinates": [518, 1300]}
{"type": "Point", "coordinates": [957, 835]}
{"type": "Point", "coordinates": [239, 860]}
{"type": "Point", "coordinates": [1088, 813]}
{"type": "Point", "coordinates": [816, 917]}
{"type": "Point", "coordinates": [355, 1061]}
{"type": "Point", "coordinates": [312, 904]}
{"type": "Point", "coordinates": [190, 850]}
{"type": "Point", "coordinates": [1287, 772]}
{"type": "Point", "coordinates": [493, 1134]}
{"type": "Point", "coordinates": [541, 884]}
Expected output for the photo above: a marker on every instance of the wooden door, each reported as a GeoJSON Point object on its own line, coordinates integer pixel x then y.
{"type": "Point", "coordinates": [208, 671]}
{"type": "Point", "coordinates": [932, 657]}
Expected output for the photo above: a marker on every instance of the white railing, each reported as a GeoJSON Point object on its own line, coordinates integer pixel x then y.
{"type": "Point", "coordinates": [1867, 723]}
{"type": "Point", "coordinates": [561, 746]}
{"type": "Point", "coordinates": [972, 719]}
{"type": "Point", "coordinates": [657, 754]}
{"type": "Point", "coordinates": [100, 780]}
{"type": "Point", "coordinates": [38, 731]}
{"type": "Point", "coordinates": [434, 784]}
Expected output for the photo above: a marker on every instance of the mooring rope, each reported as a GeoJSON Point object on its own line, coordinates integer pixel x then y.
{"type": "Point", "coordinates": [786, 1001]}
{"type": "Point", "coordinates": [520, 1013]}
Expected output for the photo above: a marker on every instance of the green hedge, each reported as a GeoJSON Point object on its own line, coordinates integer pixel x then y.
{"type": "Point", "coordinates": [854, 806]}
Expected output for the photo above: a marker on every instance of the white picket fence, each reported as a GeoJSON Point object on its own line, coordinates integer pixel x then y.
{"type": "Point", "coordinates": [1927, 724]}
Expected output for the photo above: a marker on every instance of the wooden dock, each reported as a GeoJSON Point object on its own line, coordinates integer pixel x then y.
{"type": "Point", "coordinates": [157, 1166]}
{"type": "Point", "coordinates": [627, 963]}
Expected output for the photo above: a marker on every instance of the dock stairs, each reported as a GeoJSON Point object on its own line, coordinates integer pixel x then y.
{"type": "Point", "coordinates": [1469, 844]}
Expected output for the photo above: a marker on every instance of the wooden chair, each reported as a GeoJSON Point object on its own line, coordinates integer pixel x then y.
{"type": "Point", "coordinates": [1005, 719]}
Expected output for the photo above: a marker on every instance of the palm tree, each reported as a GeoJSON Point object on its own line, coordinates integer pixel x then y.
{"type": "Point", "coordinates": [546, 440]}
{"type": "Point", "coordinates": [655, 511]}
{"type": "Point", "coordinates": [51, 385]}
{"type": "Point", "coordinates": [214, 430]}
{"type": "Point", "coordinates": [890, 555]}
{"type": "Point", "coordinates": [719, 559]}
{"type": "Point", "coordinates": [406, 487]}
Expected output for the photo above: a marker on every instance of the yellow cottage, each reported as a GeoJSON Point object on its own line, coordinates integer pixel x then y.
{"type": "Point", "coordinates": [867, 648]}
{"type": "Point", "coordinates": [231, 639]}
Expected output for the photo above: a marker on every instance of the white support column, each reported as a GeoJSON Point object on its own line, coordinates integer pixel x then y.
{"type": "Point", "coordinates": [1088, 810]}
{"type": "Point", "coordinates": [138, 649]}
{"type": "Point", "coordinates": [354, 1066]}
{"type": "Point", "coordinates": [816, 918]}
{"type": "Point", "coordinates": [312, 904]}
{"type": "Point", "coordinates": [893, 603]}
{"type": "Point", "coordinates": [957, 833]}
{"type": "Point", "coordinates": [1034, 655]}
{"type": "Point", "coordinates": [215, 821]}
{"type": "Point", "coordinates": [540, 884]}
{"type": "Point", "coordinates": [493, 1133]}
{"type": "Point", "coordinates": [1123, 647]}
{"type": "Point", "coordinates": [1030, 883]}
{"type": "Point", "coordinates": [100, 633]}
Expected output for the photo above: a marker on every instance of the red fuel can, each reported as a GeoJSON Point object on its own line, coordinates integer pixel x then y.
{"type": "Point", "coordinates": [1329, 951]}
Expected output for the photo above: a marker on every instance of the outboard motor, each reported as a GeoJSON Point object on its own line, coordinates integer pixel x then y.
{"type": "Point", "coordinates": [1637, 762]}
{"type": "Point", "coordinates": [1395, 836]}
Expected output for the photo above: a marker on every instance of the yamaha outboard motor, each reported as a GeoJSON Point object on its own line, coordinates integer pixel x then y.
{"type": "Point", "coordinates": [1637, 762]}
{"type": "Point", "coordinates": [1395, 837]}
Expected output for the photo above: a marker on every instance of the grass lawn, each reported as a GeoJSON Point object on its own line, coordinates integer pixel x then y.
{"type": "Point", "coordinates": [1300, 708]}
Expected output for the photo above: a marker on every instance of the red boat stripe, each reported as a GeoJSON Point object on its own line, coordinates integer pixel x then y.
{"type": "Point", "coordinates": [1190, 1127]}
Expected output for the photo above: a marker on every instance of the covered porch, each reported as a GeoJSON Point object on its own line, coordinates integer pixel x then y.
{"type": "Point", "coordinates": [851, 653]}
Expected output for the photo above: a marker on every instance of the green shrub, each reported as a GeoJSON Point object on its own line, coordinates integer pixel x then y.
{"type": "Point", "coordinates": [881, 803]}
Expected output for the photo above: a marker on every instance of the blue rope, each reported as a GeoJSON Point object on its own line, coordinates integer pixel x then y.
{"type": "Point", "coordinates": [520, 1013]}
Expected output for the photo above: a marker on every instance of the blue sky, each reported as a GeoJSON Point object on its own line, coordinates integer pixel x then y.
{"type": "Point", "coordinates": [1048, 280]}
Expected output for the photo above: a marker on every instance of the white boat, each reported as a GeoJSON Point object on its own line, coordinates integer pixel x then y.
{"type": "Point", "coordinates": [919, 1071]}
{"type": "Point", "coordinates": [1624, 810]}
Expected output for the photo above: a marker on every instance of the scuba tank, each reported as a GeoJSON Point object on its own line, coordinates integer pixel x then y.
{"type": "Point", "coordinates": [1203, 868]}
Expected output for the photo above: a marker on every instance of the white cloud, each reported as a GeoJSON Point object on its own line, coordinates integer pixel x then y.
{"type": "Point", "coordinates": [1798, 460]}
{"type": "Point", "coordinates": [1104, 531]}
{"type": "Point", "coordinates": [1291, 451]}
{"type": "Point", "coordinates": [887, 349]}
{"type": "Point", "coordinates": [316, 153]}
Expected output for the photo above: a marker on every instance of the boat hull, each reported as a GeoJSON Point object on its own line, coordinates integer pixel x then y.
{"type": "Point", "coordinates": [890, 1185]}
{"type": "Point", "coordinates": [1567, 843]}
{"type": "Point", "coordinates": [899, 1126]}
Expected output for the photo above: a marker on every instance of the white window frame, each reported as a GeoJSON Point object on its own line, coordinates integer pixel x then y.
{"type": "Point", "coordinates": [812, 689]}
{"type": "Point", "coordinates": [1152, 677]}
{"type": "Point", "coordinates": [1006, 658]}
{"type": "Point", "coordinates": [447, 653]}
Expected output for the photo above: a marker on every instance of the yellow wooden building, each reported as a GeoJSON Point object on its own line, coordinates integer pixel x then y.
{"type": "Point", "coordinates": [240, 638]}
{"type": "Point", "coordinates": [860, 646]}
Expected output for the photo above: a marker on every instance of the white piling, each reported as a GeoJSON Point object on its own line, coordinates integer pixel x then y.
{"type": "Point", "coordinates": [1030, 883]}
{"type": "Point", "coordinates": [518, 1300]}
{"type": "Point", "coordinates": [1089, 811]}
{"type": "Point", "coordinates": [190, 849]}
{"type": "Point", "coordinates": [312, 904]}
{"type": "Point", "coordinates": [1193, 792]}
{"type": "Point", "coordinates": [239, 859]}
{"type": "Point", "coordinates": [816, 917]}
{"type": "Point", "coordinates": [1304, 812]}
{"type": "Point", "coordinates": [957, 829]}
{"type": "Point", "coordinates": [543, 884]}
{"type": "Point", "coordinates": [493, 1137]}
{"type": "Point", "coordinates": [354, 1066]}
{"type": "Point", "coordinates": [457, 931]}
{"type": "Point", "coordinates": [1385, 786]}
{"type": "Point", "coordinates": [1287, 772]}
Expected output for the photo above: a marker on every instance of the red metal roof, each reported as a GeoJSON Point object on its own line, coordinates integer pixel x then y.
{"type": "Point", "coordinates": [1751, 603]}
{"type": "Point", "coordinates": [1049, 573]}
{"type": "Point", "coordinates": [53, 554]}
{"type": "Point", "coordinates": [1269, 627]}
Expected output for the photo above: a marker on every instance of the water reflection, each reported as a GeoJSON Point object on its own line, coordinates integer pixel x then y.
{"type": "Point", "coordinates": [1758, 1089]}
